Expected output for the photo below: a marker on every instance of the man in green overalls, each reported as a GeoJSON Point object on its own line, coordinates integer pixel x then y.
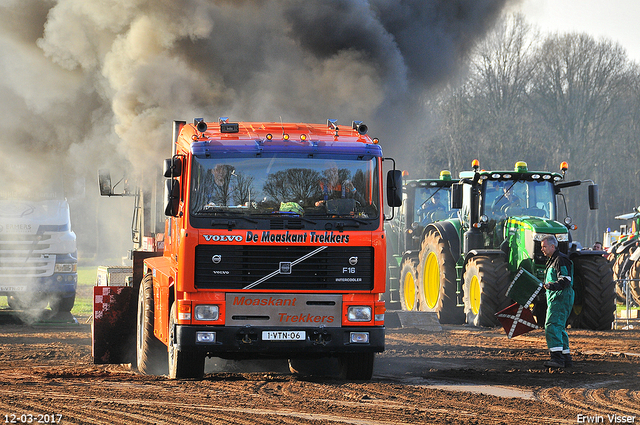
{"type": "Point", "coordinates": [558, 282]}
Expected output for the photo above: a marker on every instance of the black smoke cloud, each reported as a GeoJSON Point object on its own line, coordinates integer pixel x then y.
{"type": "Point", "coordinates": [89, 84]}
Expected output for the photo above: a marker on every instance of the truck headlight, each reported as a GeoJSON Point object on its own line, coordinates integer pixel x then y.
{"type": "Point", "coordinates": [358, 313]}
{"type": "Point", "coordinates": [65, 268]}
{"type": "Point", "coordinates": [206, 312]}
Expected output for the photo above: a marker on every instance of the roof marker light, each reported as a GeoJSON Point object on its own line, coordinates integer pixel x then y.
{"type": "Point", "coordinates": [445, 175]}
{"type": "Point", "coordinates": [521, 167]}
{"type": "Point", "coordinates": [303, 137]}
{"type": "Point", "coordinates": [269, 136]}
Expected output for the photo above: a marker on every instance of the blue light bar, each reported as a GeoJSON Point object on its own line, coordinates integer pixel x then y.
{"type": "Point", "coordinates": [247, 147]}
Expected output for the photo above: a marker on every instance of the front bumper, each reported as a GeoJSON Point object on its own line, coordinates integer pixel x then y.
{"type": "Point", "coordinates": [62, 284]}
{"type": "Point", "coordinates": [246, 341]}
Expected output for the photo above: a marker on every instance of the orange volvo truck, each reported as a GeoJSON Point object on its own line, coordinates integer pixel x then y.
{"type": "Point", "coordinates": [273, 247]}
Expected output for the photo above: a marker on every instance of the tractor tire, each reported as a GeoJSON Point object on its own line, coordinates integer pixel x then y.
{"type": "Point", "coordinates": [408, 285]}
{"type": "Point", "coordinates": [183, 364]}
{"type": "Point", "coordinates": [356, 366]}
{"type": "Point", "coordinates": [437, 280]}
{"type": "Point", "coordinates": [634, 284]}
{"type": "Point", "coordinates": [595, 304]}
{"type": "Point", "coordinates": [151, 354]}
{"type": "Point", "coordinates": [621, 267]}
{"type": "Point", "coordinates": [486, 280]}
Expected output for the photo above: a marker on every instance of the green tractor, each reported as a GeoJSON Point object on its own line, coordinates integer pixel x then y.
{"type": "Point", "coordinates": [624, 257]}
{"type": "Point", "coordinates": [424, 201]}
{"type": "Point", "coordinates": [467, 263]}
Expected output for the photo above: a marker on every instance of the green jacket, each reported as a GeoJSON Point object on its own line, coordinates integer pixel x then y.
{"type": "Point", "coordinates": [559, 272]}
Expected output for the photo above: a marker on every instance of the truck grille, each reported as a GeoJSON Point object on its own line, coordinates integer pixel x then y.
{"type": "Point", "coordinates": [269, 267]}
{"type": "Point", "coordinates": [25, 256]}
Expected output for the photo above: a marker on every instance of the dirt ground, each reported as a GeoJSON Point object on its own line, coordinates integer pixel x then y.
{"type": "Point", "coordinates": [459, 375]}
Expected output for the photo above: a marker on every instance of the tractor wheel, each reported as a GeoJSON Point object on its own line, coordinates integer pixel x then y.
{"type": "Point", "coordinates": [437, 280]}
{"type": "Point", "coordinates": [486, 280]}
{"type": "Point", "coordinates": [634, 285]}
{"type": "Point", "coordinates": [151, 354]}
{"type": "Point", "coordinates": [182, 364]}
{"type": "Point", "coordinates": [595, 304]}
{"type": "Point", "coordinates": [620, 268]}
{"type": "Point", "coordinates": [408, 286]}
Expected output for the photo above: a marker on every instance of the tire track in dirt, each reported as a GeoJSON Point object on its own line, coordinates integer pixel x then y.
{"type": "Point", "coordinates": [597, 401]}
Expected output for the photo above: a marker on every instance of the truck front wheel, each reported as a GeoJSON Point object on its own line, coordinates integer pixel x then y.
{"type": "Point", "coordinates": [59, 304]}
{"type": "Point", "coordinates": [182, 364]}
{"type": "Point", "coordinates": [151, 354]}
{"type": "Point", "coordinates": [486, 279]}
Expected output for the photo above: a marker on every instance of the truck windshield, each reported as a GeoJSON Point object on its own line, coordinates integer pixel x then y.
{"type": "Point", "coordinates": [27, 184]}
{"type": "Point", "coordinates": [504, 199]}
{"type": "Point", "coordinates": [299, 186]}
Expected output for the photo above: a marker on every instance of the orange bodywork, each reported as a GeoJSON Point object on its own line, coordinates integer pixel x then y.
{"type": "Point", "coordinates": [174, 274]}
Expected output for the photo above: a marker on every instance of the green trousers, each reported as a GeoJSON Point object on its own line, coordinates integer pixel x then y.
{"type": "Point", "coordinates": [559, 305]}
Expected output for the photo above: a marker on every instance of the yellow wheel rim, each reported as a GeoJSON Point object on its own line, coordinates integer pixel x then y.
{"type": "Point", "coordinates": [474, 294]}
{"type": "Point", "coordinates": [431, 280]}
{"type": "Point", "coordinates": [409, 291]}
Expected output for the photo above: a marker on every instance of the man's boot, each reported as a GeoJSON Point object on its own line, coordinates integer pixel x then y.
{"type": "Point", "coordinates": [568, 361]}
{"type": "Point", "coordinates": [557, 360]}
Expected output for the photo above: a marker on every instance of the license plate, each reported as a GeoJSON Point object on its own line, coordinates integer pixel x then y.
{"type": "Point", "coordinates": [283, 335]}
{"type": "Point", "coordinates": [13, 288]}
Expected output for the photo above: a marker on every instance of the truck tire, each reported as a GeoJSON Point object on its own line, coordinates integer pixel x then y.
{"type": "Point", "coordinates": [408, 285]}
{"type": "Point", "coordinates": [356, 366]}
{"type": "Point", "coordinates": [595, 304]}
{"type": "Point", "coordinates": [634, 283]}
{"type": "Point", "coordinates": [486, 280]}
{"type": "Point", "coordinates": [182, 364]}
{"type": "Point", "coordinates": [62, 305]}
{"type": "Point", "coordinates": [437, 280]}
{"type": "Point", "coordinates": [151, 354]}
{"type": "Point", "coordinates": [30, 302]}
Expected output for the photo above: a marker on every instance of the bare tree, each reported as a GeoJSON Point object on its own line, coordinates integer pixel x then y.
{"type": "Point", "coordinates": [575, 90]}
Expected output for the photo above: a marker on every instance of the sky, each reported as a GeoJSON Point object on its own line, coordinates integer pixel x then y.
{"type": "Point", "coordinates": [616, 20]}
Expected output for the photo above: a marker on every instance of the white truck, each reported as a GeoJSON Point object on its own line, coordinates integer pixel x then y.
{"type": "Point", "coordinates": [38, 254]}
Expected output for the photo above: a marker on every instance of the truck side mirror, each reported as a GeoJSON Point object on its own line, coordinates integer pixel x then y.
{"type": "Point", "coordinates": [104, 181]}
{"type": "Point", "coordinates": [593, 196]}
{"type": "Point", "coordinates": [172, 167]}
{"type": "Point", "coordinates": [394, 188]}
{"type": "Point", "coordinates": [172, 197]}
{"type": "Point", "coordinates": [456, 196]}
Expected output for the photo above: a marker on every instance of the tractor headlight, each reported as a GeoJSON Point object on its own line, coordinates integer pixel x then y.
{"type": "Point", "coordinates": [560, 237]}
